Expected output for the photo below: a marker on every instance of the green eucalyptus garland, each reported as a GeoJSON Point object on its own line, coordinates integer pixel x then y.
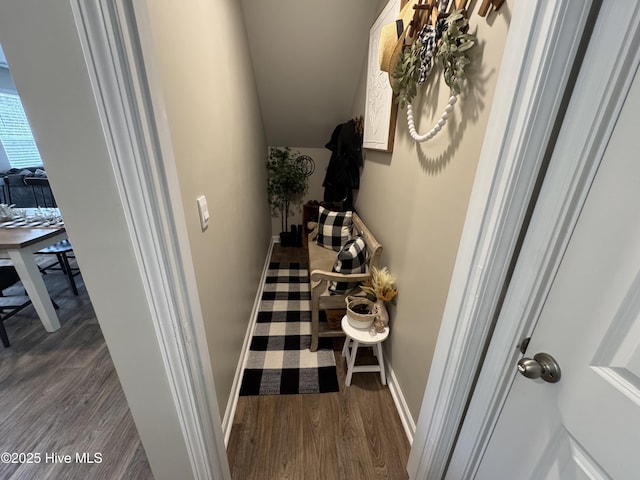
{"type": "Point", "coordinates": [451, 55]}
{"type": "Point", "coordinates": [406, 74]}
{"type": "Point", "coordinates": [453, 48]}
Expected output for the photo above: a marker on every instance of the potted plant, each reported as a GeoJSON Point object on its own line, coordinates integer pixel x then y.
{"type": "Point", "coordinates": [286, 186]}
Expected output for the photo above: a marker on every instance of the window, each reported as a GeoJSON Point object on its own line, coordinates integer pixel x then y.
{"type": "Point", "coordinates": [15, 133]}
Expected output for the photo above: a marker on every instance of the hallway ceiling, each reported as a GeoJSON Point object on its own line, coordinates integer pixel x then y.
{"type": "Point", "coordinates": [307, 58]}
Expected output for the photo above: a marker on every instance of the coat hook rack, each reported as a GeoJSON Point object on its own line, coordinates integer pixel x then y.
{"type": "Point", "coordinates": [486, 4]}
{"type": "Point", "coordinates": [359, 124]}
{"type": "Point", "coordinates": [421, 16]}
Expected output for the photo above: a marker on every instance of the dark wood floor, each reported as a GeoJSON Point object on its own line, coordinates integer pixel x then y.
{"type": "Point", "coordinates": [354, 434]}
{"type": "Point", "coordinates": [59, 394]}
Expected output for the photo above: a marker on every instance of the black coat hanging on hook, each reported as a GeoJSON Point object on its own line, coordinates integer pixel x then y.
{"type": "Point", "coordinates": [343, 172]}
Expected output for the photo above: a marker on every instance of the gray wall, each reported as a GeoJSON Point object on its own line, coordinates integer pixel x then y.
{"type": "Point", "coordinates": [415, 201]}
{"type": "Point", "coordinates": [220, 151]}
{"type": "Point", "coordinates": [303, 55]}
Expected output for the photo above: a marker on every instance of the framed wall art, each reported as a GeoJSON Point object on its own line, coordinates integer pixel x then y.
{"type": "Point", "coordinates": [380, 108]}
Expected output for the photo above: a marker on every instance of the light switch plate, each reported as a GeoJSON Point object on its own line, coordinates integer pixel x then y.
{"type": "Point", "coordinates": [203, 210]}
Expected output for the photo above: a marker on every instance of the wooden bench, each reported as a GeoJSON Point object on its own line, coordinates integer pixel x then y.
{"type": "Point", "coordinates": [321, 262]}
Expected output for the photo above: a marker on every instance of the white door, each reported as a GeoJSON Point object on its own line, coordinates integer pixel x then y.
{"type": "Point", "coordinates": [587, 425]}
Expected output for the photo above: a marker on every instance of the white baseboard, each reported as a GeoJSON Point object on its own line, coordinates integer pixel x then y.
{"type": "Point", "coordinates": [401, 405]}
{"type": "Point", "coordinates": [227, 421]}
{"type": "Point", "coordinates": [275, 239]}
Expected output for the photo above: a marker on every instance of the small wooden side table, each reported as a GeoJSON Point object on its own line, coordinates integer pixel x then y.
{"type": "Point", "coordinates": [356, 337]}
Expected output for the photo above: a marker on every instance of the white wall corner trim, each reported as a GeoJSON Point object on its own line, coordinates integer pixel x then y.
{"type": "Point", "coordinates": [590, 119]}
{"type": "Point", "coordinates": [227, 421]}
{"type": "Point", "coordinates": [116, 41]}
{"type": "Point", "coordinates": [537, 62]}
{"type": "Point", "coordinates": [401, 404]}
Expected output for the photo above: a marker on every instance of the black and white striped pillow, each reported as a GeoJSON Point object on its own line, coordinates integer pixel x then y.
{"type": "Point", "coordinates": [334, 228]}
{"type": "Point", "coordinates": [352, 258]}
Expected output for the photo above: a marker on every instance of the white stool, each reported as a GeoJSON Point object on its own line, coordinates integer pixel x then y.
{"type": "Point", "coordinates": [355, 338]}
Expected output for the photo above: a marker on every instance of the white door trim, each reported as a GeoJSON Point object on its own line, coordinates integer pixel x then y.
{"type": "Point", "coordinates": [590, 118]}
{"type": "Point", "coordinates": [543, 42]}
{"type": "Point", "coordinates": [116, 41]}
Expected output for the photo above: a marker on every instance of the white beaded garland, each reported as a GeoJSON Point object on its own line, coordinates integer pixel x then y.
{"type": "Point", "coordinates": [436, 128]}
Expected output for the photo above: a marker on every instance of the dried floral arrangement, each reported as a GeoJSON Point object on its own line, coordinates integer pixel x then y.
{"type": "Point", "coordinates": [381, 285]}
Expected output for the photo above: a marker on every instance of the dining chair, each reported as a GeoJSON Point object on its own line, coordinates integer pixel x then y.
{"type": "Point", "coordinates": [4, 192]}
{"type": "Point", "coordinates": [42, 194]}
{"type": "Point", "coordinates": [63, 251]}
{"type": "Point", "coordinates": [11, 304]}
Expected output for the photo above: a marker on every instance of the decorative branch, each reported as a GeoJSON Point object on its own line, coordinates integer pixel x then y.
{"type": "Point", "coordinates": [452, 51]}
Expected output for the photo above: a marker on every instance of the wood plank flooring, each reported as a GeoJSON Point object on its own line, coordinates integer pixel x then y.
{"type": "Point", "coordinates": [353, 434]}
{"type": "Point", "coordinates": [59, 393]}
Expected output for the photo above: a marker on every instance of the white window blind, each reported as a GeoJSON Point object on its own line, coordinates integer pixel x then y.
{"type": "Point", "coordinates": [15, 133]}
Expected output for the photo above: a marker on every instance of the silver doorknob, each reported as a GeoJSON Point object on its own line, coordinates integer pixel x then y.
{"type": "Point", "coordinates": [542, 365]}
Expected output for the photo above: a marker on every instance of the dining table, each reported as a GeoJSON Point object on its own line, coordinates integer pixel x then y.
{"type": "Point", "coordinates": [20, 238]}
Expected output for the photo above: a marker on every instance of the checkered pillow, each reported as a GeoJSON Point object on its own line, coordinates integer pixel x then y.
{"type": "Point", "coordinates": [352, 258]}
{"type": "Point", "coordinates": [334, 228]}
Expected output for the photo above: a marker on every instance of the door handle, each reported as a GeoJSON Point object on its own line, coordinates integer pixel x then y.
{"type": "Point", "coordinates": [542, 365]}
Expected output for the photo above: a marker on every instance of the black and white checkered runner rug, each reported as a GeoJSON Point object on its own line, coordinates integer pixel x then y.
{"type": "Point", "coordinates": [279, 359]}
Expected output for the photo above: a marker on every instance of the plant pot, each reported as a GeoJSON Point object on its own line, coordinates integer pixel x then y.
{"type": "Point", "coordinates": [285, 239]}
{"type": "Point", "coordinates": [361, 312]}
